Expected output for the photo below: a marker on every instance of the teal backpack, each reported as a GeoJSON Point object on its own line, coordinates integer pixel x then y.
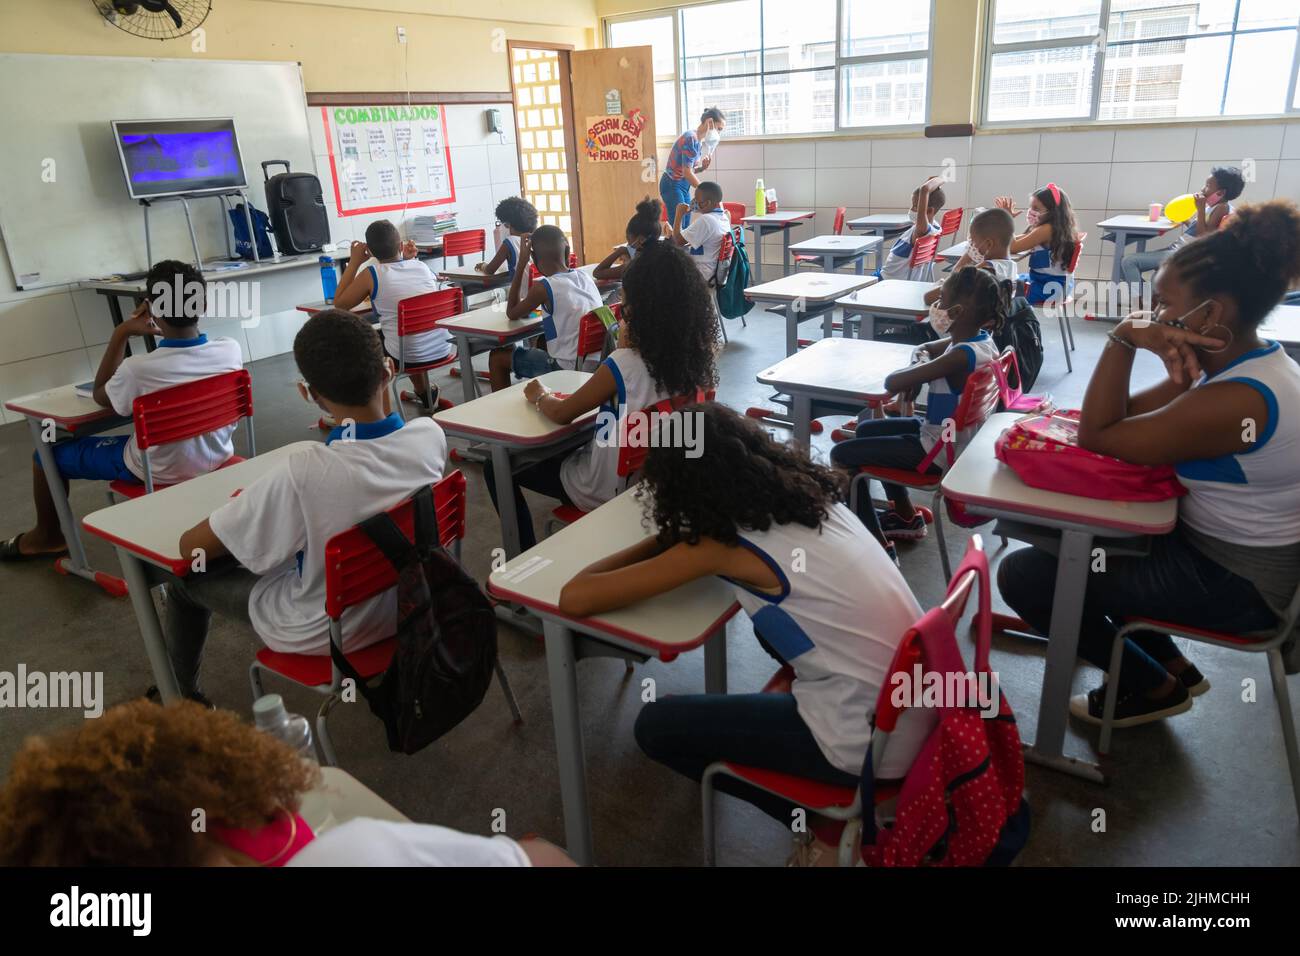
{"type": "Point", "coordinates": [731, 274]}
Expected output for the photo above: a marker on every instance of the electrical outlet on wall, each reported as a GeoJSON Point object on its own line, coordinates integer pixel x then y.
{"type": "Point", "coordinates": [401, 34]}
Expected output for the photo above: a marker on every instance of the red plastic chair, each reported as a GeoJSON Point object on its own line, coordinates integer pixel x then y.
{"type": "Point", "coordinates": [593, 337]}
{"type": "Point", "coordinates": [830, 800]}
{"type": "Point", "coordinates": [534, 274]}
{"type": "Point", "coordinates": [464, 243]}
{"type": "Point", "coordinates": [950, 223]}
{"type": "Point", "coordinates": [1007, 368]}
{"type": "Point", "coordinates": [837, 229]}
{"type": "Point", "coordinates": [923, 250]}
{"type": "Point", "coordinates": [415, 315]}
{"type": "Point", "coordinates": [187, 411]}
{"type": "Point", "coordinates": [979, 398]}
{"type": "Point", "coordinates": [355, 571]}
{"type": "Point", "coordinates": [736, 210]}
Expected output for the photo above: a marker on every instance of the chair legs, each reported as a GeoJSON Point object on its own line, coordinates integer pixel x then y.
{"type": "Point", "coordinates": [323, 741]}
{"type": "Point", "coordinates": [936, 506]}
{"type": "Point", "coordinates": [510, 694]}
{"type": "Point", "coordinates": [1066, 339]}
{"type": "Point", "coordinates": [722, 324]}
{"type": "Point", "coordinates": [1277, 671]}
{"type": "Point", "coordinates": [706, 801]}
{"type": "Point", "coordinates": [255, 680]}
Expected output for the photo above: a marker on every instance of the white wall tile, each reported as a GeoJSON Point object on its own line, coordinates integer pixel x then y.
{"type": "Point", "coordinates": [987, 182]}
{"type": "Point", "coordinates": [832, 153]}
{"type": "Point", "coordinates": [1093, 146]}
{"type": "Point", "coordinates": [1134, 186]}
{"type": "Point", "coordinates": [795, 188]}
{"type": "Point", "coordinates": [39, 326]}
{"type": "Point", "coordinates": [734, 156]}
{"type": "Point", "coordinates": [800, 155]}
{"type": "Point", "coordinates": [93, 316]}
{"type": "Point", "coordinates": [273, 333]}
{"type": "Point", "coordinates": [928, 156]}
{"type": "Point", "coordinates": [33, 375]}
{"type": "Point", "coordinates": [843, 186]}
{"type": "Point", "coordinates": [1291, 142]}
{"type": "Point", "coordinates": [1288, 179]}
{"type": "Point", "coordinates": [1009, 149]}
{"type": "Point", "coordinates": [737, 184]}
{"type": "Point", "coordinates": [469, 165]}
{"type": "Point", "coordinates": [1087, 184]}
{"type": "Point", "coordinates": [1256, 142]}
{"type": "Point", "coordinates": [503, 160]}
{"type": "Point", "coordinates": [1151, 144]}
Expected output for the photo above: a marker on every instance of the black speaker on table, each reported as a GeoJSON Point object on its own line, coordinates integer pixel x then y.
{"type": "Point", "coordinates": [296, 205]}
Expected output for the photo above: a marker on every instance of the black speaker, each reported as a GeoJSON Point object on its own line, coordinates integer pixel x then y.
{"type": "Point", "coordinates": [296, 205]}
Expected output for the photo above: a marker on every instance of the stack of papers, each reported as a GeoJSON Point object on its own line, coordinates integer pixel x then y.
{"type": "Point", "coordinates": [428, 230]}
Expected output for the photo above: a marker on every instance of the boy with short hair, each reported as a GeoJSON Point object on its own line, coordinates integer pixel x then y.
{"type": "Point", "coordinates": [927, 202]}
{"type": "Point", "coordinates": [988, 245]}
{"type": "Point", "coordinates": [276, 528]}
{"type": "Point", "coordinates": [175, 300]}
{"type": "Point", "coordinates": [392, 273]}
{"type": "Point", "coordinates": [519, 216]}
{"type": "Point", "coordinates": [563, 294]}
{"type": "Point", "coordinates": [703, 237]}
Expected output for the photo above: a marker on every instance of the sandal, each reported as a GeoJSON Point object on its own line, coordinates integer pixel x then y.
{"type": "Point", "coordinates": [11, 551]}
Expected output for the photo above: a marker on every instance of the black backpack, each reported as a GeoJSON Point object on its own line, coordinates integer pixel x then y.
{"type": "Point", "coordinates": [1023, 333]}
{"type": "Point", "coordinates": [446, 636]}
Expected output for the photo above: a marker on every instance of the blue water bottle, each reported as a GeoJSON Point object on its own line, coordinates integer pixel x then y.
{"type": "Point", "coordinates": [329, 278]}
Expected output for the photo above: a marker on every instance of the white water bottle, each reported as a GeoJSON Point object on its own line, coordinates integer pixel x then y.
{"type": "Point", "coordinates": [294, 730]}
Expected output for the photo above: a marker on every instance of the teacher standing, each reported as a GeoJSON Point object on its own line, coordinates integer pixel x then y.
{"type": "Point", "coordinates": [692, 151]}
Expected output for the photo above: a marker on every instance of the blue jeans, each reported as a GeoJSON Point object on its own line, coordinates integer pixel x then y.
{"type": "Point", "coordinates": [1136, 263]}
{"type": "Point", "coordinates": [542, 477]}
{"type": "Point", "coordinates": [94, 458]}
{"type": "Point", "coordinates": [527, 362]}
{"type": "Point", "coordinates": [674, 191]}
{"type": "Point", "coordinates": [887, 443]}
{"type": "Point", "coordinates": [1175, 583]}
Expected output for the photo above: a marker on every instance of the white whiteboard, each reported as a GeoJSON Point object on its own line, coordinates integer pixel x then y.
{"type": "Point", "coordinates": [385, 158]}
{"type": "Point", "coordinates": [64, 210]}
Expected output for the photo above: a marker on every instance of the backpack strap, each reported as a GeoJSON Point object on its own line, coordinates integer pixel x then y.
{"type": "Point", "coordinates": [428, 537]}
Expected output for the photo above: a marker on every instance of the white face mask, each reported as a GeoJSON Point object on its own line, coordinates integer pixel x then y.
{"type": "Point", "coordinates": [940, 320]}
{"type": "Point", "coordinates": [1031, 217]}
{"type": "Point", "coordinates": [711, 138]}
{"type": "Point", "coordinates": [973, 254]}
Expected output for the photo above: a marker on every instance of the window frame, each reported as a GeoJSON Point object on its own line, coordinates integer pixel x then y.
{"type": "Point", "coordinates": [1100, 41]}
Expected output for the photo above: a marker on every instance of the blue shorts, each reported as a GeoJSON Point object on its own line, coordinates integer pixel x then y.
{"type": "Point", "coordinates": [96, 458]}
{"type": "Point", "coordinates": [674, 191]}
{"type": "Point", "coordinates": [530, 363]}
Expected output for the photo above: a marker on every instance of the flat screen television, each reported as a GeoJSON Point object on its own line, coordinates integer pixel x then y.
{"type": "Point", "coordinates": [169, 157]}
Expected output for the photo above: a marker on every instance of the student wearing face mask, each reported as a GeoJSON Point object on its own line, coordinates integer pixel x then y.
{"type": "Point", "coordinates": [1226, 418]}
{"type": "Point", "coordinates": [693, 152]}
{"type": "Point", "coordinates": [644, 227]}
{"type": "Point", "coordinates": [1049, 237]}
{"type": "Point", "coordinates": [927, 203]}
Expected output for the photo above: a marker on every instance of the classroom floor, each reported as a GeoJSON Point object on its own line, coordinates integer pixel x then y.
{"type": "Point", "coordinates": [1174, 798]}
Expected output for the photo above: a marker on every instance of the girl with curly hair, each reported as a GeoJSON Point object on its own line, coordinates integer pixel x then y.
{"type": "Point", "coordinates": [823, 597]}
{"type": "Point", "coordinates": [666, 348]}
{"type": "Point", "coordinates": [644, 226]}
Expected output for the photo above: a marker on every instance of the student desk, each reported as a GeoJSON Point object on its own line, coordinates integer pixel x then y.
{"type": "Point", "coordinates": [836, 251]}
{"type": "Point", "coordinates": [517, 434]}
{"type": "Point", "coordinates": [472, 281]}
{"type": "Point", "coordinates": [781, 222]}
{"type": "Point", "coordinates": [1121, 230]}
{"type": "Point", "coordinates": [362, 308]}
{"type": "Point", "coordinates": [899, 301]}
{"type": "Point", "coordinates": [882, 224]}
{"type": "Point", "coordinates": [805, 295]}
{"type": "Point", "coordinates": [834, 370]}
{"type": "Point", "coordinates": [663, 626]}
{"type": "Point", "coordinates": [484, 329]}
{"type": "Point", "coordinates": [63, 408]}
{"type": "Point", "coordinates": [953, 254]}
{"type": "Point", "coordinates": [1283, 325]}
{"type": "Point", "coordinates": [340, 797]}
{"type": "Point", "coordinates": [147, 531]}
{"type": "Point", "coordinates": [987, 487]}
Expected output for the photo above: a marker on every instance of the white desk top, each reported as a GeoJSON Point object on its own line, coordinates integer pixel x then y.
{"type": "Point", "coordinates": [978, 479]}
{"type": "Point", "coordinates": [151, 526]}
{"type": "Point", "coordinates": [1282, 325]}
{"type": "Point", "coordinates": [243, 272]}
{"type": "Point", "coordinates": [363, 308]}
{"type": "Point", "coordinates": [843, 367]}
{"type": "Point", "coordinates": [507, 418]}
{"type": "Point", "coordinates": [780, 218]}
{"type": "Point", "coordinates": [845, 245]}
{"type": "Point", "coordinates": [958, 249]}
{"type": "Point", "coordinates": [467, 273]}
{"type": "Point", "coordinates": [62, 405]}
{"type": "Point", "coordinates": [1138, 224]}
{"type": "Point", "coordinates": [491, 322]}
{"type": "Point", "coordinates": [881, 220]}
{"type": "Point", "coordinates": [809, 286]}
{"type": "Point", "coordinates": [672, 622]}
{"type": "Point", "coordinates": [341, 797]}
{"type": "Point", "coordinates": [890, 297]}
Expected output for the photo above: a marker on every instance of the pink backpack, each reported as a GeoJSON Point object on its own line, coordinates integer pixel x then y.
{"type": "Point", "coordinates": [961, 802]}
{"type": "Point", "coordinates": [1043, 450]}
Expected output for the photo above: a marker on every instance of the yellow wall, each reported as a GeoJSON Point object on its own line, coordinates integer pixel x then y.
{"type": "Point", "coordinates": [343, 45]}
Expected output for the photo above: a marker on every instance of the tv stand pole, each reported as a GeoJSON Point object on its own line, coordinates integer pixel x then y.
{"type": "Point", "coordinates": [184, 199]}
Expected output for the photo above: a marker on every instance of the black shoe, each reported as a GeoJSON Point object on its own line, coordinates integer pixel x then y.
{"type": "Point", "coordinates": [154, 695]}
{"type": "Point", "coordinates": [1195, 682]}
{"type": "Point", "coordinates": [1133, 709]}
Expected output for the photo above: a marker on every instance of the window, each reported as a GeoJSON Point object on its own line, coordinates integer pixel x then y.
{"type": "Point", "coordinates": [1141, 59]}
{"type": "Point", "coordinates": [780, 67]}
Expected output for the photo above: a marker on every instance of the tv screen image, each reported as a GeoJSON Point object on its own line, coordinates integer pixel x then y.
{"type": "Point", "coordinates": [168, 157]}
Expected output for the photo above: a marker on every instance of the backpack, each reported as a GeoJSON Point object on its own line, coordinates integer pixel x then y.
{"type": "Point", "coordinates": [731, 274]}
{"type": "Point", "coordinates": [962, 801]}
{"type": "Point", "coordinates": [446, 636]}
{"type": "Point", "coordinates": [1022, 331]}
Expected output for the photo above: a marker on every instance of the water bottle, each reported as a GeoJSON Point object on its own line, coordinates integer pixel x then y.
{"type": "Point", "coordinates": [294, 730]}
{"type": "Point", "coordinates": [329, 278]}
{"type": "Point", "coordinates": [760, 199]}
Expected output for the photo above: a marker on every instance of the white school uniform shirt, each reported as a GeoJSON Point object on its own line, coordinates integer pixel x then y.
{"type": "Point", "coordinates": [1002, 269]}
{"type": "Point", "coordinates": [1250, 498]}
{"type": "Point", "coordinates": [590, 474]}
{"type": "Point", "coordinates": [174, 362]}
{"type": "Point", "coordinates": [941, 403]}
{"type": "Point", "coordinates": [841, 613]}
{"type": "Point", "coordinates": [704, 239]}
{"type": "Point", "coordinates": [366, 842]}
{"type": "Point", "coordinates": [569, 296]}
{"type": "Point", "coordinates": [277, 527]}
{"type": "Point", "coordinates": [900, 254]}
{"type": "Point", "coordinates": [391, 282]}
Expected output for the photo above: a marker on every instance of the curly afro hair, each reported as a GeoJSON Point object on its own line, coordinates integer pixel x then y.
{"type": "Point", "coordinates": [742, 480]}
{"type": "Point", "coordinates": [517, 213]}
{"type": "Point", "coordinates": [122, 790]}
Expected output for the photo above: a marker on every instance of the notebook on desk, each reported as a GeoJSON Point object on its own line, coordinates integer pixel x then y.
{"type": "Point", "coordinates": [85, 390]}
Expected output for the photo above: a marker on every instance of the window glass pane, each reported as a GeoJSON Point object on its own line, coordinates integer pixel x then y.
{"type": "Point", "coordinates": [799, 102]}
{"type": "Point", "coordinates": [798, 35]}
{"type": "Point", "coordinates": [656, 32]}
{"type": "Point", "coordinates": [1268, 13]}
{"type": "Point", "coordinates": [888, 93]}
{"type": "Point", "coordinates": [1261, 67]}
{"type": "Point", "coordinates": [666, 108]}
{"type": "Point", "coordinates": [1133, 19]}
{"type": "Point", "coordinates": [1018, 21]}
{"type": "Point", "coordinates": [866, 31]}
{"type": "Point", "coordinates": [1295, 103]}
{"type": "Point", "coordinates": [1041, 84]}
{"type": "Point", "coordinates": [739, 98]}
{"type": "Point", "coordinates": [720, 39]}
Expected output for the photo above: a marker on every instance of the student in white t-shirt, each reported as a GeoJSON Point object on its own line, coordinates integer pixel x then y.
{"type": "Point", "coordinates": [823, 597]}
{"type": "Point", "coordinates": [276, 528]}
{"type": "Point", "coordinates": [385, 270]}
{"type": "Point", "coordinates": [709, 223]}
{"type": "Point", "coordinates": [175, 300]}
{"type": "Point", "coordinates": [927, 202]}
{"type": "Point", "coordinates": [667, 343]}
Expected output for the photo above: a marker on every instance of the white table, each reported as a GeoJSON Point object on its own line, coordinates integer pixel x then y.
{"type": "Point", "coordinates": [781, 222]}
{"type": "Point", "coordinates": [1121, 230]}
{"type": "Point", "coordinates": [148, 529]}
{"type": "Point", "coordinates": [362, 308]}
{"type": "Point", "coordinates": [834, 370]}
{"type": "Point", "coordinates": [47, 413]}
{"type": "Point", "coordinates": [517, 433]}
{"type": "Point", "coordinates": [836, 251]}
{"type": "Point", "coordinates": [897, 300]}
{"type": "Point", "coordinates": [805, 295]}
{"type": "Point", "coordinates": [664, 626]}
{"type": "Point", "coordinates": [340, 797]}
{"type": "Point", "coordinates": [471, 280]}
{"type": "Point", "coordinates": [987, 487]}
{"type": "Point", "coordinates": [953, 254]}
{"type": "Point", "coordinates": [481, 330]}
{"type": "Point", "coordinates": [882, 224]}
{"type": "Point", "coordinates": [1283, 325]}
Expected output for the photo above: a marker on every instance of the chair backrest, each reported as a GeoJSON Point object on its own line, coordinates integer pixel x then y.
{"type": "Point", "coordinates": [950, 223]}
{"type": "Point", "coordinates": [592, 336]}
{"type": "Point", "coordinates": [631, 458]}
{"type": "Point", "coordinates": [923, 250]}
{"type": "Point", "coordinates": [192, 408]}
{"type": "Point", "coordinates": [736, 210]}
{"type": "Point", "coordinates": [534, 273]}
{"type": "Point", "coordinates": [419, 313]}
{"type": "Point", "coordinates": [356, 570]}
{"type": "Point", "coordinates": [838, 226]}
{"type": "Point", "coordinates": [979, 398]}
{"type": "Point", "coordinates": [464, 242]}
{"type": "Point", "coordinates": [1010, 367]}
{"type": "Point", "coordinates": [1078, 251]}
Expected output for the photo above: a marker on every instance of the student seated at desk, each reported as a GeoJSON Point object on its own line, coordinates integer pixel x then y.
{"type": "Point", "coordinates": [709, 222]}
{"type": "Point", "coordinates": [121, 791]}
{"type": "Point", "coordinates": [973, 302]}
{"type": "Point", "coordinates": [667, 345]}
{"type": "Point", "coordinates": [276, 528]}
{"type": "Point", "coordinates": [1050, 238]}
{"type": "Point", "coordinates": [642, 228]}
{"type": "Point", "coordinates": [927, 202]}
{"type": "Point", "coordinates": [564, 296]}
{"type": "Point", "coordinates": [519, 216]}
{"type": "Point", "coordinates": [393, 273]}
{"type": "Point", "coordinates": [1227, 417]}
{"type": "Point", "coordinates": [175, 300]}
{"type": "Point", "coordinates": [823, 597]}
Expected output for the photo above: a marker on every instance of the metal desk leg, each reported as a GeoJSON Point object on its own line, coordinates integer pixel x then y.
{"type": "Point", "coordinates": [561, 669]}
{"type": "Point", "coordinates": [76, 562]}
{"type": "Point", "coordinates": [1117, 261]}
{"type": "Point", "coordinates": [785, 251]}
{"type": "Point", "coordinates": [792, 316]}
{"type": "Point", "coordinates": [857, 265]}
{"type": "Point", "coordinates": [801, 415]}
{"type": "Point", "coordinates": [469, 386]}
{"type": "Point", "coordinates": [715, 662]}
{"type": "Point", "coordinates": [1053, 709]}
{"type": "Point", "coordinates": [828, 263]}
{"type": "Point", "coordinates": [150, 629]}
{"type": "Point", "coordinates": [880, 248]}
{"type": "Point", "coordinates": [506, 500]}
{"type": "Point", "coordinates": [756, 260]}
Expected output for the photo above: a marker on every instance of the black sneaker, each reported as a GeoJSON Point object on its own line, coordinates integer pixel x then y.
{"type": "Point", "coordinates": [1195, 682]}
{"type": "Point", "coordinates": [154, 695]}
{"type": "Point", "coordinates": [1131, 710]}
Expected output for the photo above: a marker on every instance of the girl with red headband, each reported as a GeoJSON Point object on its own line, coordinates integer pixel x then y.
{"type": "Point", "coordinates": [1050, 237]}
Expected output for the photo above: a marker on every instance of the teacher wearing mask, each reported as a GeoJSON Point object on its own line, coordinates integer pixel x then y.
{"type": "Point", "coordinates": [692, 151]}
